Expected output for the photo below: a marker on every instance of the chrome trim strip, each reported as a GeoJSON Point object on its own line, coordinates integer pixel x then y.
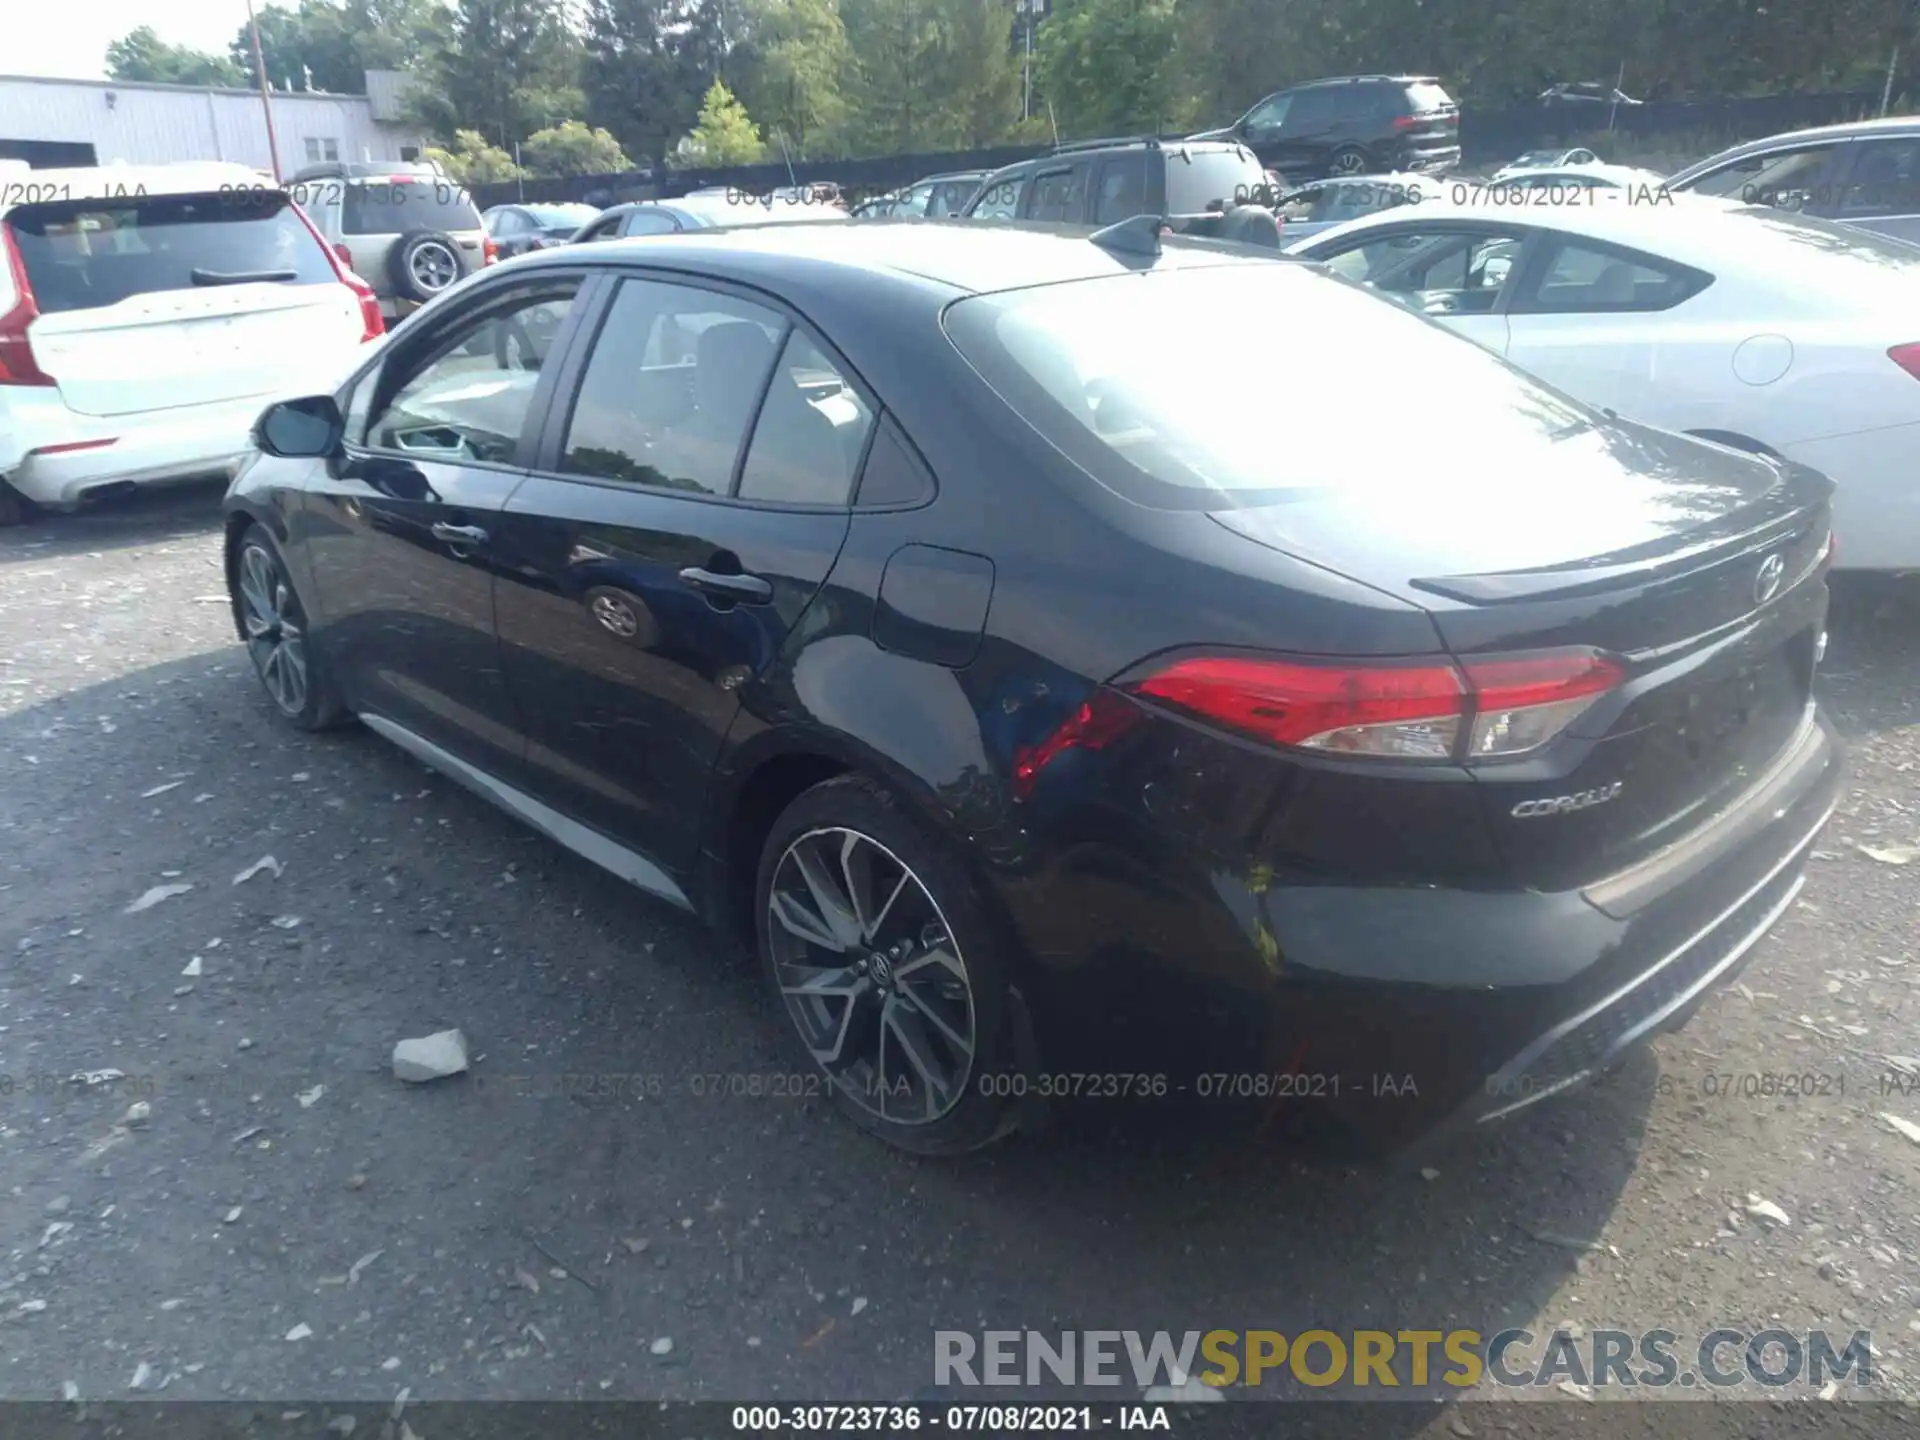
{"type": "Point", "coordinates": [1518, 1065]}
{"type": "Point", "coordinates": [609, 855]}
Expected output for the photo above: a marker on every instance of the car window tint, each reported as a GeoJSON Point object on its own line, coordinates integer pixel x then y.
{"type": "Point", "coordinates": [1059, 195]}
{"type": "Point", "coordinates": [811, 432]}
{"type": "Point", "coordinates": [1001, 201]}
{"type": "Point", "coordinates": [509, 222]}
{"type": "Point", "coordinates": [1123, 188]}
{"type": "Point", "coordinates": [893, 474]}
{"type": "Point", "coordinates": [1580, 278]}
{"type": "Point", "coordinates": [671, 387]}
{"type": "Point", "coordinates": [1785, 179]}
{"type": "Point", "coordinates": [1311, 108]}
{"type": "Point", "coordinates": [949, 197]}
{"type": "Point", "coordinates": [1198, 180]}
{"type": "Point", "coordinates": [1269, 115]}
{"type": "Point", "coordinates": [649, 222]}
{"type": "Point", "coordinates": [1885, 179]}
{"type": "Point", "coordinates": [470, 398]}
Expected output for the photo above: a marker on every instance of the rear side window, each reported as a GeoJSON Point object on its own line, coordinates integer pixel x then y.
{"type": "Point", "coordinates": [1123, 188]}
{"type": "Point", "coordinates": [80, 255]}
{"type": "Point", "coordinates": [1060, 195]}
{"type": "Point", "coordinates": [1198, 179]}
{"type": "Point", "coordinates": [1580, 279]}
{"type": "Point", "coordinates": [383, 207]}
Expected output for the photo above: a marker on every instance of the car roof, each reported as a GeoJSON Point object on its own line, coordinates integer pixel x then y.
{"type": "Point", "coordinates": [1363, 79]}
{"type": "Point", "coordinates": [1847, 130]}
{"type": "Point", "coordinates": [1625, 174]}
{"type": "Point", "coordinates": [129, 181]}
{"type": "Point", "coordinates": [971, 257]}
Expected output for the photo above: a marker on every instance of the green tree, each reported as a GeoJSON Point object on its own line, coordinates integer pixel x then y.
{"type": "Point", "coordinates": [648, 63]}
{"type": "Point", "coordinates": [930, 75]}
{"type": "Point", "coordinates": [981, 72]}
{"type": "Point", "coordinates": [573, 148]}
{"type": "Point", "coordinates": [787, 68]}
{"type": "Point", "coordinates": [505, 68]}
{"type": "Point", "coordinates": [472, 161]}
{"type": "Point", "coordinates": [1109, 66]}
{"type": "Point", "coordinates": [142, 55]}
{"type": "Point", "coordinates": [725, 134]}
{"type": "Point", "coordinates": [337, 41]}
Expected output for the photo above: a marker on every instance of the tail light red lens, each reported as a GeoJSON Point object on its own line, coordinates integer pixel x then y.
{"type": "Point", "coordinates": [1907, 357]}
{"type": "Point", "coordinates": [1405, 122]}
{"type": "Point", "coordinates": [17, 365]}
{"type": "Point", "coordinates": [490, 252]}
{"type": "Point", "coordinates": [372, 323]}
{"type": "Point", "coordinates": [1430, 710]}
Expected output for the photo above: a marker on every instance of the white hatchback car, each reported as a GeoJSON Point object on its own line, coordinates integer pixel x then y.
{"type": "Point", "coordinates": [1739, 324]}
{"type": "Point", "coordinates": [147, 314]}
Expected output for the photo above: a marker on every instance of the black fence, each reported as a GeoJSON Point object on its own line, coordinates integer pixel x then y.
{"type": "Point", "coordinates": [1486, 137]}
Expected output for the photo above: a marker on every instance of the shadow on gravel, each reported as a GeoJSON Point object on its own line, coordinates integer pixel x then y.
{"type": "Point", "coordinates": [423, 907]}
{"type": "Point", "coordinates": [146, 517]}
{"type": "Point", "coordinates": [1873, 653]}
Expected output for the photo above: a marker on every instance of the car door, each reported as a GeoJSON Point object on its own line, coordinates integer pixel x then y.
{"type": "Point", "coordinates": [1306, 135]}
{"type": "Point", "coordinates": [688, 503]}
{"type": "Point", "coordinates": [510, 229]}
{"type": "Point", "coordinates": [1456, 273]}
{"type": "Point", "coordinates": [1594, 320]}
{"type": "Point", "coordinates": [1880, 188]}
{"type": "Point", "coordinates": [1264, 129]}
{"type": "Point", "coordinates": [404, 524]}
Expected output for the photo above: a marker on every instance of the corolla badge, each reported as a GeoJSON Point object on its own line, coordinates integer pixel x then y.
{"type": "Point", "coordinates": [1565, 804]}
{"type": "Point", "coordinates": [1766, 581]}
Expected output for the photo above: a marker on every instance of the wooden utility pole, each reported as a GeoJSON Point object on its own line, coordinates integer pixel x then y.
{"type": "Point", "coordinates": [266, 104]}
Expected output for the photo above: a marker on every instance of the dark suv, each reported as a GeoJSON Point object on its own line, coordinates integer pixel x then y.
{"type": "Point", "coordinates": [1353, 125]}
{"type": "Point", "coordinates": [1101, 182]}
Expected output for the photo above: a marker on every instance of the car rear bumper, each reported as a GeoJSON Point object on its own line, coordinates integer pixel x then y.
{"type": "Point", "coordinates": [152, 448]}
{"type": "Point", "coordinates": [1406, 1015]}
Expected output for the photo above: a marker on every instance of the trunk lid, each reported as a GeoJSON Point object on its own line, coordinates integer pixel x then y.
{"type": "Point", "coordinates": [157, 302]}
{"type": "Point", "coordinates": [1697, 568]}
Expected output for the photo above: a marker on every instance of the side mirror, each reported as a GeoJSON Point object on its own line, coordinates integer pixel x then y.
{"type": "Point", "coordinates": [306, 429]}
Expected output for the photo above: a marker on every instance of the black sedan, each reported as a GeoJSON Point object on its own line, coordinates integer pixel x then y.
{"type": "Point", "coordinates": [707, 211]}
{"type": "Point", "coordinates": [516, 229]}
{"type": "Point", "coordinates": [919, 605]}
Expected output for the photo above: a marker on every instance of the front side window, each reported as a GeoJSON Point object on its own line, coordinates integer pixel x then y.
{"type": "Point", "coordinates": [1059, 195]}
{"type": "Point", "coordinates": [1000, 200]}
{"type": "Point", "coordinates": [1440, 271]}
{"type": "Point", "coordinates": [1784, 179]}
{"type": "Point", "coordinates": [1885, 179]}
{"type": "Point", "coordinates": [1268, 117]}
{"type": "Point", "coordinates": [1123, 189]}
{"type": "Point", "coordinates": [649, 222]}
{"type": "Point", "coordinates": [469, 397]}
{"type": "Point", "coordinates": [671, 387]}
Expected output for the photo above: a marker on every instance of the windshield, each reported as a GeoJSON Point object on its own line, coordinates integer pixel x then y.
{"type": "Point", "coordinates": [1106, 370]}
{"type": "Point", "coordinates": [83, 254]}
{"type": "Point", "coordinates": [1428, 97]}
{"type": "Point", "coordinates": [392, 207]}
{"type": "Point", "coordinates": [561, 217]}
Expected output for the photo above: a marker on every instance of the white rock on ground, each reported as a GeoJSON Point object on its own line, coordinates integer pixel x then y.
{"type": "Point", "coordinates": [430, 1057]}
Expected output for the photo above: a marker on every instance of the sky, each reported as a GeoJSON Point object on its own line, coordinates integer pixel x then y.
{"type": "Point", "coordinates": [70, 40]}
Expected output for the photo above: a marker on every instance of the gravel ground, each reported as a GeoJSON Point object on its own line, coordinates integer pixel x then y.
{"type": "Point", "coordinates": [480, 1239]}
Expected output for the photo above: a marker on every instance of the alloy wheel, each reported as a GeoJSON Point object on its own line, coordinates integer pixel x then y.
{"type": "Point", "coordinates": [276, 633]}
{"type": "Point", "coordinates": [1348, 162]}
{"type": "Point", "coordinates": [871, 975]}
{"type": "Point", "coordinates": [433, 266]}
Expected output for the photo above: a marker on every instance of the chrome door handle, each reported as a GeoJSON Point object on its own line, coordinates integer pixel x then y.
{"type": "Point", "coordinates": [460, 534]}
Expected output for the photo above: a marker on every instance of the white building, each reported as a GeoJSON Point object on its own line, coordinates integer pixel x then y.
{"type": "Point", "coordinates": [51, 123]}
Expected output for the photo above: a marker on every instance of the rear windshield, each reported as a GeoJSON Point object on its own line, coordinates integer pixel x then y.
{"type": "Point", "coordinates": [1108, 370]}
{"type": "Point", "coordinates": [1198, 178]}
{"type": "Point", "coordinates": [81, 254]}
{"type": "Point", "coordinates": [561, 217]}
{"type": "Point", "coordinates": [1424, 97]}
{"type": "Point", "coordinates": [390, 207]}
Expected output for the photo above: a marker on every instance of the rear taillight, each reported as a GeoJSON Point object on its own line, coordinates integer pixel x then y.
{"type": "Point", "coordinates": [1406, 122]}
{"type": "Point", "coordinates": [1482, 709]}
{"type": "Point", "coordinates": [1907, 357]}
{"type": "Point", "coordinates": [489, 252]}
{"type": "Point", "coordinates": [17, 365]}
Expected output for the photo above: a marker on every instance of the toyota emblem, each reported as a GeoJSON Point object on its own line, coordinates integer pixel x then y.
{"type": "Point", "coordinates": [1766, 581]}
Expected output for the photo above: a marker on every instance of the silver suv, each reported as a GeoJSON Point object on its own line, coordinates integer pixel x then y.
{"type": "Point", "coordinates": [407, 230]}
{"type": "Point", "coordinates": [1865, 174]}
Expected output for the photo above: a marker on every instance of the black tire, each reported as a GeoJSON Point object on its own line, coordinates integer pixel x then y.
{"type": "Point", "coordinates": [1251, 225]}
{"type": "Point", "coordinates": [424, 263]}
{"type": "Point", "coordinates": [974, 1114]}
{"type": "Point", "coordinates": [15, 508]}
{"type": "Point", "coordinates": [1349, 160]}
{"type": "Point", "coordinates": [317, 706]}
